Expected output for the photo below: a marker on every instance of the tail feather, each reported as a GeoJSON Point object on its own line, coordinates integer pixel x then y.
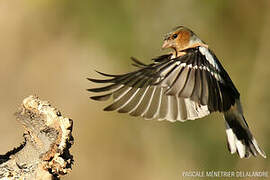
{"type": "Point", "coordinates": [239, 137]}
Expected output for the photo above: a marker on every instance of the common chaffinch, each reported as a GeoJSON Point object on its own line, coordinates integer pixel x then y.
{"type": "Point", "coordinates": [187, 83]}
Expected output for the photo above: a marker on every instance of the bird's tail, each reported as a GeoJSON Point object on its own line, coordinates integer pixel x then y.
{"type": "Point", "coordinates": [239, 137]}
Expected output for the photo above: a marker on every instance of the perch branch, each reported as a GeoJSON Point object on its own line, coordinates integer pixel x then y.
{"type": "Point", "coordinates": [44, 154]}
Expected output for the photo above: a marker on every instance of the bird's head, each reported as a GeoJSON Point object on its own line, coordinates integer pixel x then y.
{"type": "Point", "coordinates": [180, 38]}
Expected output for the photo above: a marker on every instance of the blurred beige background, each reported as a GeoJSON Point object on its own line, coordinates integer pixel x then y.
{"type": "Point", "coordinates": [49, 48]}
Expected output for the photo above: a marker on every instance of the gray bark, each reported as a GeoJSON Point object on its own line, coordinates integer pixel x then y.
{"type": "Point", "coordinates": [44, 154]}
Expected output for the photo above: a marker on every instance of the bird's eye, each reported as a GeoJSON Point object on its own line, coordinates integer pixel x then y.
{"type": "Point", "coordinates": [174, 36]}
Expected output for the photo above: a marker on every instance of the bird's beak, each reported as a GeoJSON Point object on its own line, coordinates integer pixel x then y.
{"type": "Point", "coordinates": [166, 44]}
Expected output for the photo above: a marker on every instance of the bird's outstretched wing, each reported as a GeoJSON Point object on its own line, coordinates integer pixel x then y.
{"type": "Point", "coordinates": [187, 87]}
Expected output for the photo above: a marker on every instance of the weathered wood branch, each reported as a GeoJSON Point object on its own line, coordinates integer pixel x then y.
{"type": "Point", "coordinates": [44, 154]}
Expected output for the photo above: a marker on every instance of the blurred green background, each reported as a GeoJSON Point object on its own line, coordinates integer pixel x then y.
{"type": "Point", "coordinates": [49, 48]}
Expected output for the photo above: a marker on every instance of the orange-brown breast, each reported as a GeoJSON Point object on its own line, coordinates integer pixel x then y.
{"type": "Point", "coordinates": [182, 39]}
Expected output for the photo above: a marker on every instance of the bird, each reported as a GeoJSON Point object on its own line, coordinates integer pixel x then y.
{"type": "Point", "coordinates": [187, 83]}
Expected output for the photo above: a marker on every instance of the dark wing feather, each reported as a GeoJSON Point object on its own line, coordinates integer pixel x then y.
{"type": "Point", "coordinates": [186, 87]}
{"type": "Point", "coordinates": [197, 90]}
{"type": "Point", "coordinates": [189, 84]}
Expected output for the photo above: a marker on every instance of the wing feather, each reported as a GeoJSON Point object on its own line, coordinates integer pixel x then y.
{"type": "Point", "coordinates": [164, 107]}
{"type": "Point", "coordinates": [204, 92]}
{"type": "Point", "coordinates": [144, 104]}
{"type": "Point", "coordinates": [196, 93]}
{"type": "Point", "coordinates": [189, 85]}
{"type": "Point", "coordinates": [182, 109]}
{"type": "Point", "coordinates": [182, 88]}
{"type": "Point", "coordinates": [154, 106]}
{"type": "Point", "coordinates": [172, 109]}
{"type": "Point", "coordinates": [134, 102]}
{"type": "Point", "coordinates": [179, 82]}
